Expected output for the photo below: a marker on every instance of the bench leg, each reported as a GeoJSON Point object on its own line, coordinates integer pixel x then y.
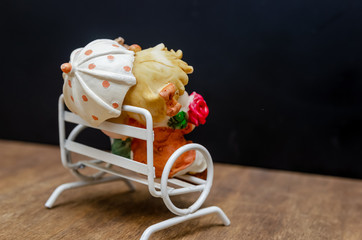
{"type": "Point", "coordinates": [66, 186]}
{"type": "Point", "coordinates": [179, 219]}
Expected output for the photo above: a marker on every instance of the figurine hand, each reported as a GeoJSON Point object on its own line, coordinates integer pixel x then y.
{"type": "Point", "coordinates": [168, 93]}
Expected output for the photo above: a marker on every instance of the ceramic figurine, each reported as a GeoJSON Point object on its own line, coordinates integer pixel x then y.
{"type": "Point", "coordinates": [112, 83]}
{"type": "Point", "coordinates": [106, 74]}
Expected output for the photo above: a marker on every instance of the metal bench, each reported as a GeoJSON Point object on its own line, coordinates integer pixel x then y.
{"type": "Point", "coordinates": [105, 162]}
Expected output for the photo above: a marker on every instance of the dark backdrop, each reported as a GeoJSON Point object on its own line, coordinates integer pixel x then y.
{"type": "Point", "coordinates": [283, 79]}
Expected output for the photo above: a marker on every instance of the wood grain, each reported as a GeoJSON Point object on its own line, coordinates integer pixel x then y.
{"type": "Point", "coordinates": [261, 204]}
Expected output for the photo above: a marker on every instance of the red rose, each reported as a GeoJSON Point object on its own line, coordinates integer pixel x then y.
{"type": "Point", "coordinates": [198, 110]}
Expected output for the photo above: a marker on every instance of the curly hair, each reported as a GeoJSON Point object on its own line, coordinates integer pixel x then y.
{"type": "Point", "coordinates": [154, 68]}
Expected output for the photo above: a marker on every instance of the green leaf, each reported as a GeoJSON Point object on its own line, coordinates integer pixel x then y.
{"type": "Point", "coordinates": [122, 148]}
{"type": "Point", "coordinates": [178, 121]}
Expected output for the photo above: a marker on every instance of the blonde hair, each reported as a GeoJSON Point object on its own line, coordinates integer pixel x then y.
{"type": "Point", "coordinates": [154, 68]}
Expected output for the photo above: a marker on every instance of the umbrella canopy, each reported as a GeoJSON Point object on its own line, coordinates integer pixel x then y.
{"type": "Point", "coordinates": [96, 80]}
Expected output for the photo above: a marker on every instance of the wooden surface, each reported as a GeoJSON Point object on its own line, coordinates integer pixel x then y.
{"type": "Point", "coordinates": [261, 204]}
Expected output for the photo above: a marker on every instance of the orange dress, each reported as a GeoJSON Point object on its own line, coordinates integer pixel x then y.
{"type": "Point", "coordinates": [166, 142]}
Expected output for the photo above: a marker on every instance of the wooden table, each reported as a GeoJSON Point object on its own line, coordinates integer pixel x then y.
{"type": "Point", "coordinates": [261, 204]}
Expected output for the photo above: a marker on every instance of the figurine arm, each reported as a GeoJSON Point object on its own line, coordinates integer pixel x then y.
{"type": "Point", "coordinates": [189, 128]}
{"type": "Point", "coordinates": [114, 135]}
{"type": "Point", "coordinates": [168, 94]}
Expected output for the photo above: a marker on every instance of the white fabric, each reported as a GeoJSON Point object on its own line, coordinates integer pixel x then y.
{"type": "Point", "coordinates": [100, 77]}
{"type": "Point", "coordinates": [198, 166]}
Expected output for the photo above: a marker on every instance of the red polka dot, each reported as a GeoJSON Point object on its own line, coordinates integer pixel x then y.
{"type": "Point", "coordinates": [110, 57]}
{"type": "Point", "coordinates": [85, 99]}
{"type": "Point", "coordinates": [69, 83]}
{"type": "Point", "coordinates": [91, 66]}
{"type": "Point", "coordinates": [115, 45]}
{"type": "Point", "coordinates": [115, 105]}
{"type": "Point", "coordinates": [88, 52]}
{"type": "Point", "coordinates": [127, 68]}
{"type": "Point", "coordinates": [94, 117]}
{"type": "Point", "coordinates": [105, 84]}
{"type": "Point", "coordinates": [71, 97]}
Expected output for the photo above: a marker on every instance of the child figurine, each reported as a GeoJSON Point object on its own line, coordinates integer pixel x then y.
{"type": "Point", "coordinates": [153, 79]}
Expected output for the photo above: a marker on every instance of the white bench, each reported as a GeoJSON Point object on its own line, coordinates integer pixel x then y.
{"type": "Point", "coordinates": [135, 171]}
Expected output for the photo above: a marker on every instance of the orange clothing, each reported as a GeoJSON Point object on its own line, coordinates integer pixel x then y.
{"type": "Point", "coordinates": [166, 142]}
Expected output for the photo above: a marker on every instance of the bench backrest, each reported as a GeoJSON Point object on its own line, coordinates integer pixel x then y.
{"type": "Point", "coordinates": [123, 129]}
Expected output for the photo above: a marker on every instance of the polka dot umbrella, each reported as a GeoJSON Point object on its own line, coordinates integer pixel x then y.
{"type": "Point", "coordinates": [96, 79]}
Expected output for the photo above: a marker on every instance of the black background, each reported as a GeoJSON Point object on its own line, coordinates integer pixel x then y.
{"type": "Point", "coordinates": [283, 79]}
